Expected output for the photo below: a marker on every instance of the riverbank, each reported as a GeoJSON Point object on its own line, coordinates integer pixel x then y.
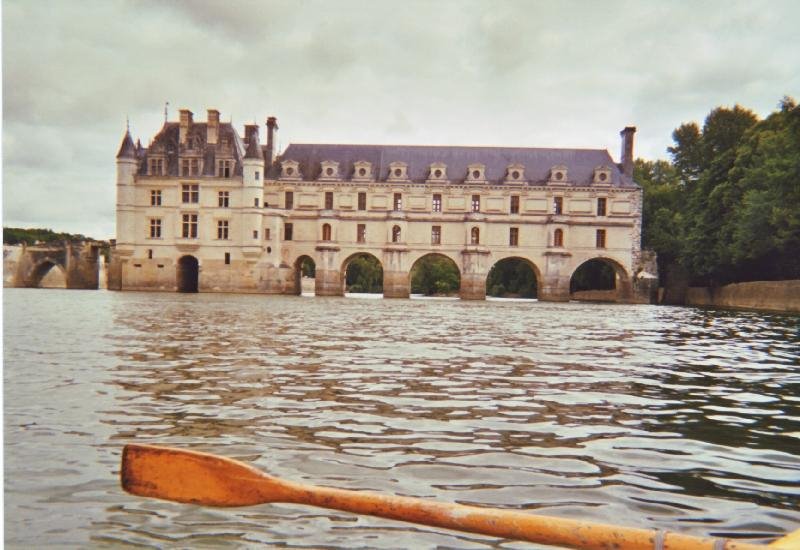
{"type": "Point", "coordinates": [780, 296]}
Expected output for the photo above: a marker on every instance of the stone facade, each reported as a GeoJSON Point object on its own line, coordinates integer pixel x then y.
{"type": "Point", "coordinates": [203, 206]}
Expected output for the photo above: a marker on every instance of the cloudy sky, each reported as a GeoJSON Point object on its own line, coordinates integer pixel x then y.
{"type": "Point", "coordinates": [522, 73]}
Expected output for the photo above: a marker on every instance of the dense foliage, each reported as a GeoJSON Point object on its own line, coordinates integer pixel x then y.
{"type": "Point", "coordinates": [18, 235]}
{"type": "Point", "coordinates": [593, 275]}
{"type": "Point", "coordinates": [364, 275]}
{"type": "Point", "coordinates": [435, 275]}
{"type": "Point", "coordinates": [511, 277]}
{"type": "Point", "coordinates": [727, 208]}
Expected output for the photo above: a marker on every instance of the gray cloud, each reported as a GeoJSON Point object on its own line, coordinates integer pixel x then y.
{"type": "Point", "coordinates": [463, 72]}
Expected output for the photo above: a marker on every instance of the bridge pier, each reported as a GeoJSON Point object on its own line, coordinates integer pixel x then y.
{"type": "Point", "coordinates": [474, 273]}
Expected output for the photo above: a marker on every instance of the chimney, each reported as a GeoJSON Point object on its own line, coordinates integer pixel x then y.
{"type": "Point", "coordinates": [212, 132]}
{"type": "Point", "coordinates": [250, 130]}
{"type": "Point", "coordinates": [272, 125]}
{"type": "Point", "coordinates": [626, 158]}
{"type": "Point", "coordinates": [186, 123]}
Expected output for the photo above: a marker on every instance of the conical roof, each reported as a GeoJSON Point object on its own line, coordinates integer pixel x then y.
{"type": "Point", "coordinates": [127, 149]}
{"type": "Point", "coordinates": [253, 148]}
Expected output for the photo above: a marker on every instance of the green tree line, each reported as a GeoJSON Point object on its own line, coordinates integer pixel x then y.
{"type": "Point", "coordinates": [18, 235]}
{"type": "Point", "coordinates": [727, 207]}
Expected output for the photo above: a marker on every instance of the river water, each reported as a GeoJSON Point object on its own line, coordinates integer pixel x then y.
{"type": "Point", "coordinates": [659, 417]}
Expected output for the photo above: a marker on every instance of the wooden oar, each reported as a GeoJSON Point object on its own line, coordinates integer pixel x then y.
{"type": "Point", "coordinates": [209, 480]}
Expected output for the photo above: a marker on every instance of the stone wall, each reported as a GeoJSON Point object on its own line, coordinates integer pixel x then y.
{"type": "Point", "coordinates": [781, 296]}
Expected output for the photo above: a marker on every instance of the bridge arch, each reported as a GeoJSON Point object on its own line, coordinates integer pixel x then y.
{"type": "Point", "coordinates": [304, 266]}
{"type": "Point", "coordinates": [361, 275]}
{"type": "Point", "coordinates": [43, 268]}
{"type": "Point", "coordinates": [508, 262]}
{"type": "Point", "coordinates": [442, 277]}
{"type": "Point", "coordinates": [187, 274]}
{"type": "Point", "coordinates": [601, 279]}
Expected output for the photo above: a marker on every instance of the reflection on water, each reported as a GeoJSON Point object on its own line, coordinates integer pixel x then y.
{"type": "Point", "coordinates": [673, 418]}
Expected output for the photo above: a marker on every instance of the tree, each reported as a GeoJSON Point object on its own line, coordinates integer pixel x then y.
{"type": "Point", "coordinates": [434, 274]}
{"type": "Point", "coordinates": [364, 274]}
{"type": "Point", "coordinates": [511, 277]}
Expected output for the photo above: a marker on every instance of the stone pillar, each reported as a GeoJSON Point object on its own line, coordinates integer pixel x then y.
{"type": "Point", "coordinates": [328, 276]}
{"type": "Point", "coordinates": [474, 273]}
{"type": "Point", "coordinates": [396, 282]}
{"type": "Point", "coordinates": [555, 283]}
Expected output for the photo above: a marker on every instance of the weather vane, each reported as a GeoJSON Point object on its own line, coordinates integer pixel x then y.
{"type": "Point", "coordinates": [166, 104]}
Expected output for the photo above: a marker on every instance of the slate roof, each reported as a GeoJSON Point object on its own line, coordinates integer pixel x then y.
{"type": "Point", "coordinates": [127, 149]}
{"type": "Point", "coordinates": [537, 162]}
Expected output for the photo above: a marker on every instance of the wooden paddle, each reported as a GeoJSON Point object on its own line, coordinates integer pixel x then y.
{"type": "Point", "coordinates": [209, 480]}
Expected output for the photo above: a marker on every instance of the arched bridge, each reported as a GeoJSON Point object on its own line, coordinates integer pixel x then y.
{"type": "Point", "coordinates": [77, 260]}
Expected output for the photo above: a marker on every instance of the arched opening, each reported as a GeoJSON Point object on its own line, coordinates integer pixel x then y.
{"type": "Point", "coordinates": [599, 280]}
{"type": "Point", "coordinates": [326, 232]}
{"type": "Point", "coordinates": [558, 238]}
{"type": "Point", "coordinates": [435, 275]}
{"type": "Point", "coordinates": [396, 234]}
{"type": "Point", "coordinates": [475, 236]}
{"type": "Point", "coordinates": [304, 275]}
{"type": "Point", "coordinates": [513, 278]}
{"type": "Point", "coordinates": [362, 273]}
{"type": "Point", "coordinates": [49, 274]}
{"type": "Point", "coordinates": [188, 274]}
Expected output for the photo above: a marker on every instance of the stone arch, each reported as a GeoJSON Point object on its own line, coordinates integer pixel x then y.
{"type": "Point", "coordinates": [42, 269]}
{"type": "Point", "coordinates": [623, 288]}
{"type": "Point", "coordinates": [431, 286]}
{"type": "Point", "coordinates": [346, 265]}
{"type": "Point", "coordinates": [187, 274]}
{"type": "Point", "coordinates": [537, 274]}
{"type": "Point", "coordinates": [297, 273]}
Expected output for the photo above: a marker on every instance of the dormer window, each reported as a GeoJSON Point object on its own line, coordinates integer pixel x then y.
{"type": "Point", "coordinates": [476, 173]}
{"type": "Point", "coordinates": [330, 170]}
{"type": "Point", "coordinates": [155, 167]}
{"type": "Point", "coordinates": [438, 172]}
{"type": "Point", "coordinates": [290, 170]}
{"type": "Point", "coordinates": [398, 171]}
{"type": "Point", "coordinates": [602, 175]}
{"type": "Point", "coordinates": [362, 171]}
{"type": "Point", "coordinates": [224, 168]}
{"type": "Point", "coordinates": [515, 173]}
{"type": "Point", "coordinates": [558, 174]}
{"type": "Point", "coordinates": [190, 167]}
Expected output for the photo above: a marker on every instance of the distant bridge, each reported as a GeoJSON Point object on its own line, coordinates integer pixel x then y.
{"type": "Point", "coordinates": [78, 261]}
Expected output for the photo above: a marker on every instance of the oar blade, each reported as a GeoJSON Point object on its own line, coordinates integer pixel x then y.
{"type": "Point", "coordinates": [192, 477]}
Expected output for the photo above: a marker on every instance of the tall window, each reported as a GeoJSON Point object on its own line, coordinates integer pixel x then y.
{"type": "Point", "coordinates": [513, 236]}
{"type": "Point", "coordinates": [288, 231]}
{"type": "Point", "coordinates": [255, 202]}
{"type": "Point", "coordinates": [224, 168]}
{"type": "Point", "coordinates": [475, 236]}
{"type": "Point", "coordinates": [515, 204]}
{"type": "Point", "coordinates": [155, 197]}
{"type": "Point", "coordinates": [223, 199]}
{"type": "Point", "coordinates": [288, 200]}
{"type": "Point", "coordinates": [190, 167]}
{"type": "Point", "coordinates": [156, 167]}
{"type": "Point", "coordinates": [362, 200]}
{"type": "Point", "coordinates": [476, 203]}
{"type": "Point", "coordinates": [437, 202]}
{"type": "Point", "coordinates": [266, 234]}
{"type": "Point", "coordinates": [398, 202]}
{"type": "Point", "coordinates": [601, 206]}
{"type": "Point", "coordinates": [326, 232]}
{"type": "Point", "coordinates": [189, 226]}
{"type": "Point", "coordinates": [328, 200]}
{"type": "Point", "coordinates": [558, 238]}
{"type": "Point", "coordinates": [155, 228]}
{"type": "Point", "coordinates": [258, 175]}
{"type": "Point", "coordinates": [558, 205]}
{"type": "Point", "coordinates": [436, 234]}
{"type": "Point", "coordinates": [222, 229]}
{"type": "Point", "coordinates": [601, 238]}
{"type": "Point", "coordinates": [190, 193]}
{"type": "Point", "coordinates": [227, 258]}
{"type": "Point", "coordinates": [255, 233]}
{"type": "Point", "coordinates": [396, 234]}
{"type": "Point", "coordinates": [361, 233]}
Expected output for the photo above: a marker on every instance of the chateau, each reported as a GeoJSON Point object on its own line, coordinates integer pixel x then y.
{"type": "Point", "coordinates": [202, 208]}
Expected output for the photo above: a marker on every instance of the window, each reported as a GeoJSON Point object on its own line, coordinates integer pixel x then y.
{"type": "Point", "coordinates": [475, 236]}
{"type": "Point", "coordinates": [266, 234]}
{"type": "Point", "coordinates": [558, 238]}
{"type": "Point", "coordinates": [287, 232]}
{"type": "Point", "coordinates": [398, 202]}
{"type": "Point", "coordinates": [437, 202]}
{"type": "Point", "coordinates": [222, 229]}
{"type": "Point", "coordinates": [189, 226]}
{"type": "Point", "coordinates": [155, 197]}
{"type": "Point", "coordinates": [156, 167]}
{"type": "Point", "coordinates": [362, 201]}
{"type": "Point", "coordinates": [190, 167]}
{"type": "Point", "coordinates": [558, 205]}
{"type": "Point", "coordinates": [255, 233]}
{"type": "Point", "coordinates": [476, 203]}
{"type": "Point", "coordinates": [190, 193]}
{"type": "Point", "coordinates": [396, 234]}
{"type": "Point", "coordinates": [361, 233]}
{"type": "Point", "coordinates": [326, 232]}
{"type": "Point", "coordinates": [255, 202]}
{"type": "Point", "coordinates": [155, 228]}
{"type": "Point", "coordinates": [328, 200]}
{"type": "Point", "coordinates": [288, 200]}
{"type": "Point", "coordinates": [436, 234]}
{"type": "Point", "coordinates": [515, 204]}
{"type": "Point", "coordinates": [224, 168]}
{"type": "Point", "coordinates": [513, 236]}
{"type": "Point", "coordinates": [601, 238]}
{"type": "Point", "coordinates": [258, 175]}
{"type": "Point", "coordinates": [601, 206]}
{"type": "Point", "coordinates": [223, 199]}
{"type": "Point", "coordinates": [149, 253]}
{"type": "Point", "coordinates": [227, 258]}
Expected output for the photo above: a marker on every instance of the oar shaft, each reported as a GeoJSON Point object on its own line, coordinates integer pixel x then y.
{"type": "Point", "coordinates": [502, 523]}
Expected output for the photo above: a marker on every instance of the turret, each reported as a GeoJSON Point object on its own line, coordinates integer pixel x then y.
{"type": "Point", "coordinates": [126, 178]}
{"type": "Point", "coordinates": [253, 192]}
